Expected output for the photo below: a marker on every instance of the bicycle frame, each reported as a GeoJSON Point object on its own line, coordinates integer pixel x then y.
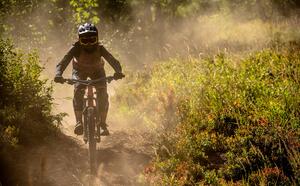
{"type": "Point", "coordinates": [91, 118]}
{"type": "Point", "coordinates": [90, 100]}
{"type": "Point", "coordinates": [90, 104]}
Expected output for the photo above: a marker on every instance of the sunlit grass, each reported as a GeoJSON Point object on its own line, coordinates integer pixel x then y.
{"type": "Point", "coordinates": [223, 121]}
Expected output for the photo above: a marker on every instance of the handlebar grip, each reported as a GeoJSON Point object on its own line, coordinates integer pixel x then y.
{"type": "Point", "coordinates": [109, 79]}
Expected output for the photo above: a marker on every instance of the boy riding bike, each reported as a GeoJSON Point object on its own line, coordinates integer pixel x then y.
{"type": "Point", "coordinates": [86, 55]}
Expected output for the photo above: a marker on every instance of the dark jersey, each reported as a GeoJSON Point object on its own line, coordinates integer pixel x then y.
{"type": "Point", "coordinates": [87, 61]}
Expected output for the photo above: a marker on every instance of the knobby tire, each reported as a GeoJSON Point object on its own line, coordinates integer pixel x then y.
{"type": "Point", "coordinates": [91, 139]}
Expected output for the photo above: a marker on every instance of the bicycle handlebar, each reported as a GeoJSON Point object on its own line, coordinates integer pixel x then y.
{"type": "Point", "coordinates": [89, 82]}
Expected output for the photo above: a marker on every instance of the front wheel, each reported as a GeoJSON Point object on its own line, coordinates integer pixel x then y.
{"type": "Point", "coordinates": [91, 138]}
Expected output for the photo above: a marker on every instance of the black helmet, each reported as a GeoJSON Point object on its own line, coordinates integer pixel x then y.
{"type": "Point", "coordinates": [87, 29]}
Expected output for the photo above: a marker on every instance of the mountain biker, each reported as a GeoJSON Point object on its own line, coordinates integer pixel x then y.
{"type": "Point", "coordinates": [86, 56]}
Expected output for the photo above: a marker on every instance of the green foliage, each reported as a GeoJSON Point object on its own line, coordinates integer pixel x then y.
{"type": "Point", "coordinates": [84, 11]}
{"type": "Point", "coordinates": [33, 23]}
{"type": "Point", "coordinates": [222, 118]}
{"type": "Point", "coordinates": [25, 106]}
{"type": "Point", "coordinates": [266, 9]}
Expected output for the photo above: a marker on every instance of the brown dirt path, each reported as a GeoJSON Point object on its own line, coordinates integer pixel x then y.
{"type": "Point", "coordinates": [63, 162]}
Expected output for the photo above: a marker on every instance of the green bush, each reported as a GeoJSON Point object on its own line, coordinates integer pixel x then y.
{"type": "Point", "coordinates": [25, 105]}
{"type": "Point", "coordinates": [223, 119]}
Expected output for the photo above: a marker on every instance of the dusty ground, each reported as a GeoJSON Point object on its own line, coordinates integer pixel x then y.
{"type": "Point", "coordinates": [121, 160]}
{"type": "Point", "coordinates": [122, 156]}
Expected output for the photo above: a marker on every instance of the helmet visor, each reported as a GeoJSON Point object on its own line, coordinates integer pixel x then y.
{"type": "Point", "coordinates": [92, 40]}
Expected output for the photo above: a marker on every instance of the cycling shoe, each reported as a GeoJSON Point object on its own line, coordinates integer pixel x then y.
{"type": "Point", "coordinates": [105, 131]}
{"type": "Point", "coordinates": [78, 128]}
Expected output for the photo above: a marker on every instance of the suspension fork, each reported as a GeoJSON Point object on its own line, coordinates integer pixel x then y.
{"type": "Point", "coordinates": [98, 130]}
{"type": "Point", "coordinates": [89, 103]}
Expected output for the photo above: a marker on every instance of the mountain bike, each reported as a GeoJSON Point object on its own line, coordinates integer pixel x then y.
{"type": "Point", "coordinates": [91, 118]}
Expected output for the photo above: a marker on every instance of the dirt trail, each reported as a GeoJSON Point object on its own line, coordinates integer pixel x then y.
{"type": "Point", "coordinates": [121, 160]}
{"type": "Point", "coordinates": [63, 161]}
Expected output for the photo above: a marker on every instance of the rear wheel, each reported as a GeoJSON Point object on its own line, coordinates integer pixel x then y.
{"type": "Point", "coordinates": [91, 138]}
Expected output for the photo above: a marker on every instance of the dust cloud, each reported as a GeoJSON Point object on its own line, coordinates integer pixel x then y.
{"type": "Point", "coordinates": [124, 154]}
{"type": "Point", "coordinates": [200, 35]}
